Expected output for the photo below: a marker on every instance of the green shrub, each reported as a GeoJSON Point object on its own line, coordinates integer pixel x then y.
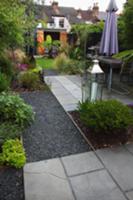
{"type": "Point", "coordinates": [126, 56]}
{"type": "Point", "coordinates": [19, 55]}
{"type": "Point", "coordinates": [65, 49]}
{"type": "Point", "coordinates": [15, 110]}
{"type": "Point", "coordinates": [29, 80]}
{"type": "Point", "coordinates": [6, 66]}
{"type": "Point", "coordinates": [106, 116]}
{"type": "Point", "coordinates": [60, 62]}
{"type": "Point", "coordinates": [76, 66]}
{"type": "Point", "coordinates": [69, 66]}
{"type": "Point", "coordinates": [4, 82]}
{"type": "Point", "coordinates": [9, 131]}
{"type": "Point", "coordinates": [13, 154]}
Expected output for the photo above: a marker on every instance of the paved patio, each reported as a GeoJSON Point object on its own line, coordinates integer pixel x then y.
{"type": "Point", "coordinates": [106, 174]}
{"type": "Point", "coordinates": [67, 90]}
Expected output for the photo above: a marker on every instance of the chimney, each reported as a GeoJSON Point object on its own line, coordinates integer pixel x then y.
{"type": "Point", "coordinates": [79, 15]}
{"type": "Point", "coordinates": [95, 10]}
{"type": "Point", "coordinates": [55, 7]}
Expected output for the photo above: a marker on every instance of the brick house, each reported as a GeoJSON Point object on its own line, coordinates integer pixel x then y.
{"type": "Point", "coordinates": [58, 21]}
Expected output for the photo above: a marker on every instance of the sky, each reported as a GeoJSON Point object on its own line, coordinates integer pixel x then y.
{"type": "Point", "coordinates": [85, 4]}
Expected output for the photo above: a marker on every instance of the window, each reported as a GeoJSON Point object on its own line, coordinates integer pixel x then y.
{"type": "Point", "coordinates": [61, 23]}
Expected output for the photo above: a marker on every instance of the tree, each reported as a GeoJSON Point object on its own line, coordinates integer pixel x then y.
{"type": "Point", "coordinates": [88, 35]}
{"type": "Point", "coordinates": [16, 19]}
{"type": "Point", "coordinates": [127, 25]}
{"type": "Point", "coordinates": [11, 25]}
{"type": "Point", "coordinates": [30, 24]}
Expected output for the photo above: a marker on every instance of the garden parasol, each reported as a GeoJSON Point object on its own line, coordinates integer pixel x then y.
{"type": "Point", "coordinates": [109, 41]}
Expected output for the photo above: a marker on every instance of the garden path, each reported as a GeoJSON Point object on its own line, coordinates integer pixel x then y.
{"type": "Point", "coordinates": [67, 90]}
{"type": "Point", "coordinates": [95, 175]}
{"type": "Point", "coordinates": [102, 175]}
{"type": "Point", "coordinates": [52, 134]}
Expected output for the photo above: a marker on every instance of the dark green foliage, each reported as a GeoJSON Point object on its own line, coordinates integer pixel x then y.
{"type": "Point", "coordinates": [16, 21]}
{"type": "Point", "coordinates": [76, 66]}
{"type": "Point", "coordinates": [13, 154]}
{"type": "Point", "coordinates": [75, 53]}
{"type": "Point", "coordinates": [56, 43]}
{"type": "Point", "coordinates": [6, 66]}
{"type": "Point", "coordinates": [11, 23]}
{"type": "Point", "coordinates": [4, 82]}
{"type": "Point", "coordinates": [106, 116]}
{"type": "Point", "coordinates": [14, 110]}
{"type": "Point", "coordinates": [126, 56]}
{"type": "Point", "coordinates": [121, 34]}
{"type": "Point", "coordinates": [29, 80]}
{"type": "Point", "coordinates": [126, 25]}
{"type": "Point", "coordinates": [70, 66]}
{"type": "Point", "coordinates": [88, 35]}
{"type": "Point", "coordinates": [61, 62]}
{"type": "Point", "coordinates": [9, 130]}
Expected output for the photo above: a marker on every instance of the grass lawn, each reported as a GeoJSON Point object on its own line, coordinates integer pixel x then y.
{"type": "Point", "coordinates": [46, 63]}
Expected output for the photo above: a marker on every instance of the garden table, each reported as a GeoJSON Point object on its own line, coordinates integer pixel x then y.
{"type": "Point", "coordinates": [112, 63]}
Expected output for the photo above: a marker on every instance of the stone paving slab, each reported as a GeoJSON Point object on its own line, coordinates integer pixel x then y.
{"type": "Point", "coordinates": [58, 91]}
{"type": "Point", "coordinates": [46, 180]}
{"type": "Point", "coordinates": [75, 79]}
{"type": "Point", "coordinates": [89, 178]}
{"type": "Point", "coordinates": [67, 92]}
{"type": "Point", "coordinates": [81, 163]}
{"type": "Point", "coordinates": [129, 147]}
{"type": "Point", "coordinates": [65, 99]}
{"type": "Point", "coordinates": [72, 84]}
{"type": "Point", "coordinates": [96, 186]}
{"type": "Point", "coordinates": [130, 195]}
{"type": "Point", "coordinates": [120, 164]}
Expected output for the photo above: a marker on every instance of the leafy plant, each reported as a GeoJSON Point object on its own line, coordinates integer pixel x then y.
{"type": "Point", "coordinates": [9, 130]}
{"type": "Point", "coordinates": [65, 48]}
{"type": "Point", "coordinates": [76, 66]}
{"type": "Point", "coordinates": [29, 80]}
{"type": "Point", "coordinates": [60, 62]}
{"type": "Point", "coordinates": [18, 23]}
{"type": "Point", "coordinates": [88, 35]}
{"type": "Point", "coordinates": [15, 110]}
{"type": "Point", "coordinates": [4, 82]}
{"type": "Point", "coordinates": [13, 154]}
{"type": "Point", "coordinates": [126, 56]}
{"type": "Point", "coordinates": [56, 43]}
{"type": "Point", "coordinates": [70, 66]}
{"type": "Point", "coordinates": [106, 116]}
{"type": "Point", "coordinates": [127, 23]}
{"type": "Point", "coordinates": [19, 55]}
{"type": "Point", "coordinates": [48, 42]}
{"type": "Point", "coordinates": [6, 66]}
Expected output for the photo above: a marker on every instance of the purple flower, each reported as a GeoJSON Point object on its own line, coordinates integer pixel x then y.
{"type": "Point", "coordinates": [22, 67]}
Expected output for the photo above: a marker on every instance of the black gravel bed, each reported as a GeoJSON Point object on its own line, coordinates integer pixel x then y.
{"type": "Point", "coordinates": [11, 184]}
{"type": "Point", "coordinates": [52, 134]}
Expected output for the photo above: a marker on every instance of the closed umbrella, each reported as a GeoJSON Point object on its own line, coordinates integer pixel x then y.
{"type": "Point", "coordinates": [109, 41]}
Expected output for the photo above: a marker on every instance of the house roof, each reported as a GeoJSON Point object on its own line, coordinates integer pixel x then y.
{"type": "Point", "coordinates": [88, 15]}
{"type": "Point", "coordinates": [46, 12]}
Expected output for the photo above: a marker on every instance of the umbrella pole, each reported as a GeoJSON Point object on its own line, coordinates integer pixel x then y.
{"type": "Point", "coordinates": [110, 78]}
